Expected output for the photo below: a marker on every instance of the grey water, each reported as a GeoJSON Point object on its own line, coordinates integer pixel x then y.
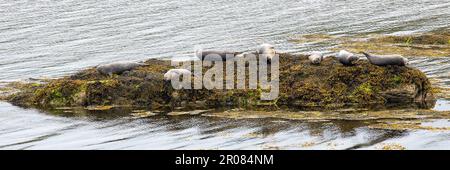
{"type": "Point", "coordinates": [53, 38]}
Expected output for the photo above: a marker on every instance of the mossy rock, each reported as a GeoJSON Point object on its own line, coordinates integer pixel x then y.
{"type": "Point", "coordinates": [328, 85]}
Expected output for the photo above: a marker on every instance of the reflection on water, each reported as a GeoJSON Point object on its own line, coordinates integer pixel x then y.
{"type": "Point", "coordinates": [51, 39]}
{"type": "Point", "coordinates": [32, 129]}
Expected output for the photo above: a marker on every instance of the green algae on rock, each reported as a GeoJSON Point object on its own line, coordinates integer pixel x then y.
{"type": "Point", "coordinates": [377, 116]}
{"type": "Point", "coordinates": [328, 85]}
{"type": "Point", "coordinates": [404, 45]}
{"type": "Point", "coordinates": [431, 44]}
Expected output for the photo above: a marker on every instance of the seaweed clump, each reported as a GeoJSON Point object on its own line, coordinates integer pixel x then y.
{"type": "Point", "coordinates": [328, 85]}
{"type": "Point", "coordinates": [433, 44]}
{"type": "Point", "coordinates": [334, 85]}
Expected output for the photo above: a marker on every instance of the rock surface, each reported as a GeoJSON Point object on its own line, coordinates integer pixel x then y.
{"type": "Point", "coordinates": [302, 84]}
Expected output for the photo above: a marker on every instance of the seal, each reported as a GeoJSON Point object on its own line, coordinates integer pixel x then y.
{"type": "Point", "coordinates": [224, 55]}
{"type": "Point", "coordinates": [118, 68]}
{"type": "Point", "coordinates": [385, 60]}
{"type": "Point", "coordinates": [268, 50]}
{"type": "Point", "coordinates": [347, 58]}
{"type": "Point", "coordinates": [246, 54]}
{"type": "Point", "coordinates": [176, 73]}
{"type": "Point", "coordinates": [315, 58]}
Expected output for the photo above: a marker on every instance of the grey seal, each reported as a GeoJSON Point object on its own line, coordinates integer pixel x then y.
{"type": "Point", "coordinates": [384, 60]}
{"type": "Point", "coordinates": [176, 73]}
{"type": "Point", "coordinates": [268, 50]}
{"type": "Point", "coordinates": [347, 58]}
{"type": "Point", "coordinates": [246, 54]}
{"type": "Point", "coordinates": [315, 58]}
{"type": "Point", "coordinates": [224, 55]}
{"type": "Point", "coordinates": [118, 68]}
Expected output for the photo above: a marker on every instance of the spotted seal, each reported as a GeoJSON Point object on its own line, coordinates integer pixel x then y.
{"type": "Point", "coordinates": [267, 50]}
{"type": "Point", "coordinates": [384, 60]}
{"type": "Point", "coordinates": [347, 58]}
{"type": "Point", "coordinates": [213, 54]}
{"type": "Point", "coordinates": [118, 68]}
{"type": "Point", "coordinates": [176, 73]}
{"type": "Point", "coordinates": [315, 58]}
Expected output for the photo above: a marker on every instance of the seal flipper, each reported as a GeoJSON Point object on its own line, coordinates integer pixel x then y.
{"type": "Point", "coordinates": [368, 56]}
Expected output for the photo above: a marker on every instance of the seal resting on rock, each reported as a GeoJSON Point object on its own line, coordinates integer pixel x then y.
{"type": "Point", "coordinates": [118, 68]}
{"type": "Point", "coordinates": [176, 73]}
{"type": "Point", "coordinates": [268, 50]}
{"type": "Point", "coordinates": [384, 60]}
{"type": "Point", "coordinates": [246, 54]}
{"type": "Point", "coordinates": [224, 55]}
{"type": "Point", "coordinates": [347, 58]}
{"type": "Point", "coordinates": [315, 58]}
